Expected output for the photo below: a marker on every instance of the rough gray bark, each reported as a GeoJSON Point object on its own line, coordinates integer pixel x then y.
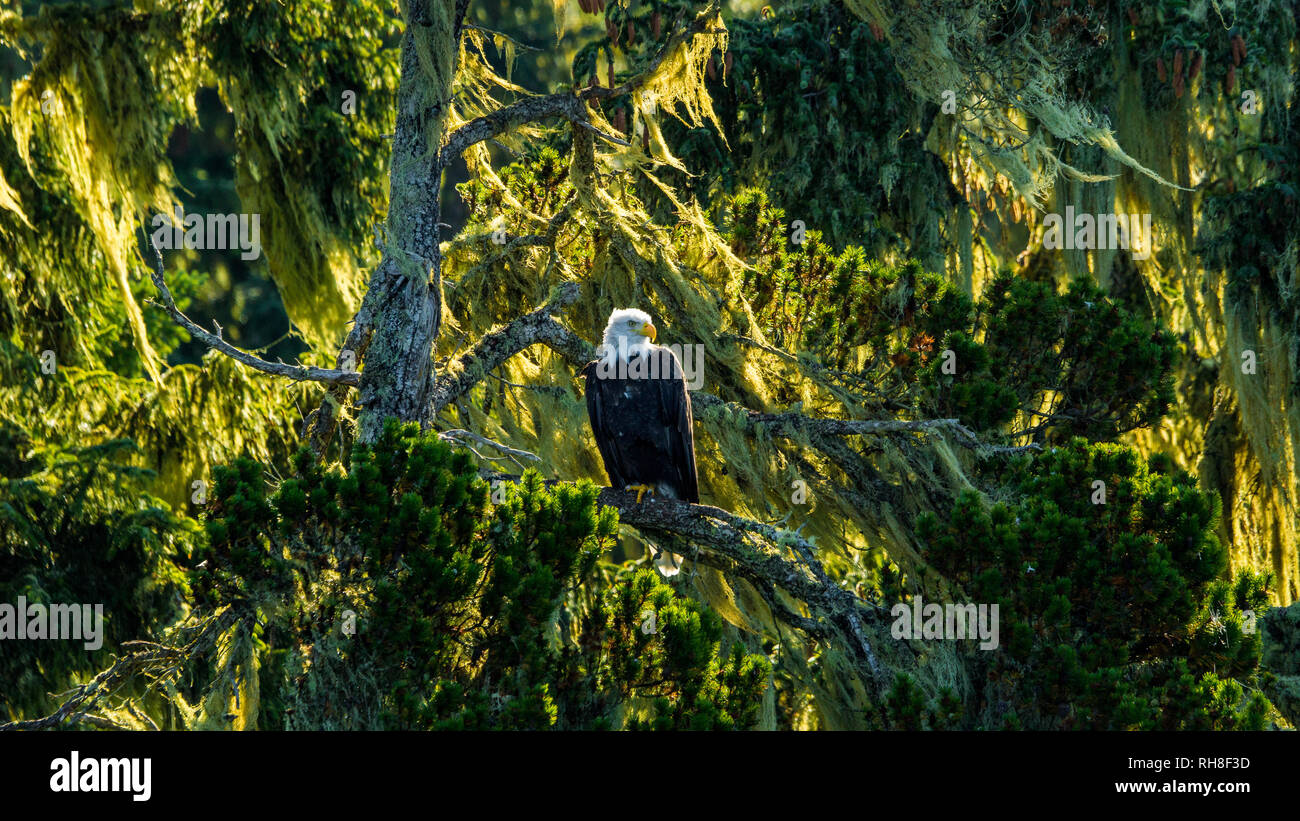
{"type": "Point", "coordinates": [404, 292]}
{"type": "Point", "coordinates": [495, 348]}
{"type": "Point", "coordinates": [745, 547]}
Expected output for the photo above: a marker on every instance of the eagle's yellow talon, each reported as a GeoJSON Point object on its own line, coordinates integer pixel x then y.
{"type": "Point", "coordinates": [641, 490]}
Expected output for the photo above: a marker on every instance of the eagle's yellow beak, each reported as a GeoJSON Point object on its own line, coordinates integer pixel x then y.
{"type": "Point", "coordinates": [648, 330]}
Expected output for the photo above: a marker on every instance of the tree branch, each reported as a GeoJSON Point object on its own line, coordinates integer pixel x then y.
{"type": "Point", "coordinates": [697, 26]}
{"type": "Point", "coordinates": [569, 105]}
{"type": "Point", "coordinates": [153, 656]}
{"type": "Point", "coordinates": [791, 422]}
{"type": "Point", "coordinates": [753, 550]}
{"type": "Point", "coordinates": [296, 372]}
{"type": "Point", "coordinates": [496, 347]}
{"type": "Point", "coordinates": [729, 535]}
{"type": "Point", "coordinates": [540, 328]}
{"type": "Point", "coordinates": [460, 436]}
{"type": "Point", "coordinates": [529, 109]}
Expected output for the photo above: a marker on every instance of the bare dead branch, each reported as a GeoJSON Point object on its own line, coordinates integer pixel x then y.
{"type": "Point", "coordinates": [606, 137]}
{"type": "Point", "coordinates": [151, 657]}
{"type": "Point", "coordinates": [459, 436]}
{"type": "Point", "coordinates": [790, 422]}
{"type": "Point", "coordinates": [297, 373]}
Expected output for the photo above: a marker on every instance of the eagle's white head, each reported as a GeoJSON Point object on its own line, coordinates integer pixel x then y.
{"type": "Point", "coordinates": [629, 332]}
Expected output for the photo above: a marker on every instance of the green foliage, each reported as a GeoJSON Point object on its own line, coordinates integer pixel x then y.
{"type": "Point", "coordinates": [1077, 363]}
{"type": "Point", "coordinates": [811, 106]}
{"type": "Point", "coordinates": [470, 615]}
{"type": "Point", "coordinates": [539, 181]}
{"type": "Point", "coordinates": [1112, 615]}
{"type": "Point", "coordinates": [1174, 33]}
{"type": "Point", "coordinates": [465, 614]}
{"type": "Point", "coordinates": [87, 176]}
{"type": "Point", "coordinates": [78, 527]}
{"type": "Point", "coordinates": [907, 708]}
{"type": "Point", "coordinates": [656, 645]}
{"type": "Point", "coordinates": [1281, 636]}
{"type": "Point", "coordinates": [808, 296]}
{"type": "Point", "coordinates": [1281, 658]}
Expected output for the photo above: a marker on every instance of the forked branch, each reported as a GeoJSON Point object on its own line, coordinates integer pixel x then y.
{"type": "Point", "coordinates": [298, 373]}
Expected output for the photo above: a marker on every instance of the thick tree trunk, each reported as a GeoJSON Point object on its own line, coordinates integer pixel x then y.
{"type": "Point", "coordinates": [402, 305]}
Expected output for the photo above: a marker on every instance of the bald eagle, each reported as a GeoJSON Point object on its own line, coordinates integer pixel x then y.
{"type": "Point", "coordinates": [640, 411]}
